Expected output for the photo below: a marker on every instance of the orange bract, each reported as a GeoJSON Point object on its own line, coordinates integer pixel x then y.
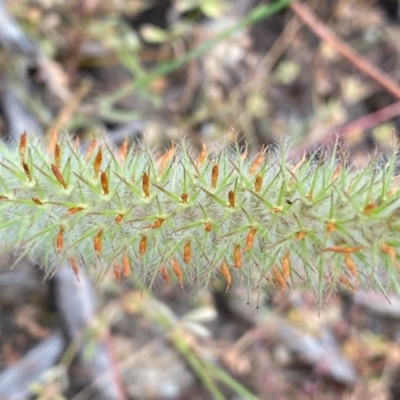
{"type": "Point", "coordinates": [342, 249]}
{"type": "Point", "coordinates": [202, 155]}
{"type": "Point", "coordinates": [57, 155]}
{"type": "Point", "coordinates": [22, 147]}
{"type": "Point", "coordinates": [389, 250]}
{"type": "Point", "coordinates": [258, 183]}
{"type": "Point", "coordinates": [207, 226]}
{"type": "Point", "coordinates": [330, 227]}
{"type": "Point", "coordinates": [279, 278]}
{"type": "Point", "coordinates": [164, 159]}
{"type": "Point", "coordinates": [164, 274]}
{"type": "Point", "coordinates": [74, 267]}
{"type": "Point", "coordinates": [118, 218]}
{"type": "Point", "coordinates": [125, 265]}
{"type": "Point", "coordinates": [73, 210]}
{"type": "Point", "coordinates": [123, 150]}
{"type": "Point", "coordinates": [214, 176]}
{"type": "Point", "coordinates": [237, 256]}
{"type": "Point", "coordinates": [301, 235]}
{"type": "Point", "coordinates": [60, 239]}
{"type": "Point", "coordinates": [250, 239]}
{"type": "Point", "coordinates": [224, 271]}
{"type": "Point", "coordinates": [157, 223]}
{"type": "Point", "coordinates": [231, 197]}
{"type": "Point", "coordinates": [368, 208]}
{"type": "Point", "coordinates": [97, 242]}
{"type": "Point", "coordinates": [104, 182]}
{"type": "Point", "coordinates": [186, 252]}
{"type": "Point", "coordinates": [286, 266]}
{"type": "Point", "coordinates": [117, 272]}
{"type": "Point", "coordinates": [142, 245]}
{"type": "Point", "coordinates": [256, 163]}
{"type": "Point", "coordinates": [350, 265]}
{"type": "Point", "coordinates": [90, 149]}
{"type": "Point", "coordinates": [145, 185]}
{"type": "Point", "coordinates": [27, 171]}
{"type": "Point", "coordinates": [177, 271]}
{"type": "Point", "coordinates": [37, 201]}
{"type": "Point", "coordinates": [97, 162]}
{"type": "Point", "coordinates": [52, 142]}
{"type": "Point", "coordinates": [58, 176]}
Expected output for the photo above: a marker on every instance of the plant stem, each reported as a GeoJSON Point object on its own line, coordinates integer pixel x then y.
{"type": "Point", "coordinates": [322, 31]}
{"type": "Point", "coordinates": [256, 15]}
{"type": "Point", "coordinates": [198, 367]}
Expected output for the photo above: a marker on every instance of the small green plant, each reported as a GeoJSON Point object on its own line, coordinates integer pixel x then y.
{"type": "Point", "coordinates": [255, 221]}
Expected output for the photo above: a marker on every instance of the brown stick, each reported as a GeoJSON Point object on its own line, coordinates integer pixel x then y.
{"type": "Point", "coordinates": [324, 33]}
{"type": "Point", "coordinates": [65, 114]}
{"type": "Point", "coordinates": [366, 122]}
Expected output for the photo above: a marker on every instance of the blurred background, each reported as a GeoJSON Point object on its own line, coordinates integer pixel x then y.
{"type": "Point", "coordinates": [218, 71]}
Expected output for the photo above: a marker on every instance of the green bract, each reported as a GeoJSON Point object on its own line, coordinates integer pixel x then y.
{"type": "Point", "coordinates": [256, 221]}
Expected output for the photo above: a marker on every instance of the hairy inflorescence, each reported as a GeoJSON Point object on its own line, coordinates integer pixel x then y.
{"type": "Point", "coordinates": [253, 220]}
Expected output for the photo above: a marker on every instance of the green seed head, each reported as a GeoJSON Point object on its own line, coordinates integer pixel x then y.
{"type": "Point", "coordinates": [255, 221]}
